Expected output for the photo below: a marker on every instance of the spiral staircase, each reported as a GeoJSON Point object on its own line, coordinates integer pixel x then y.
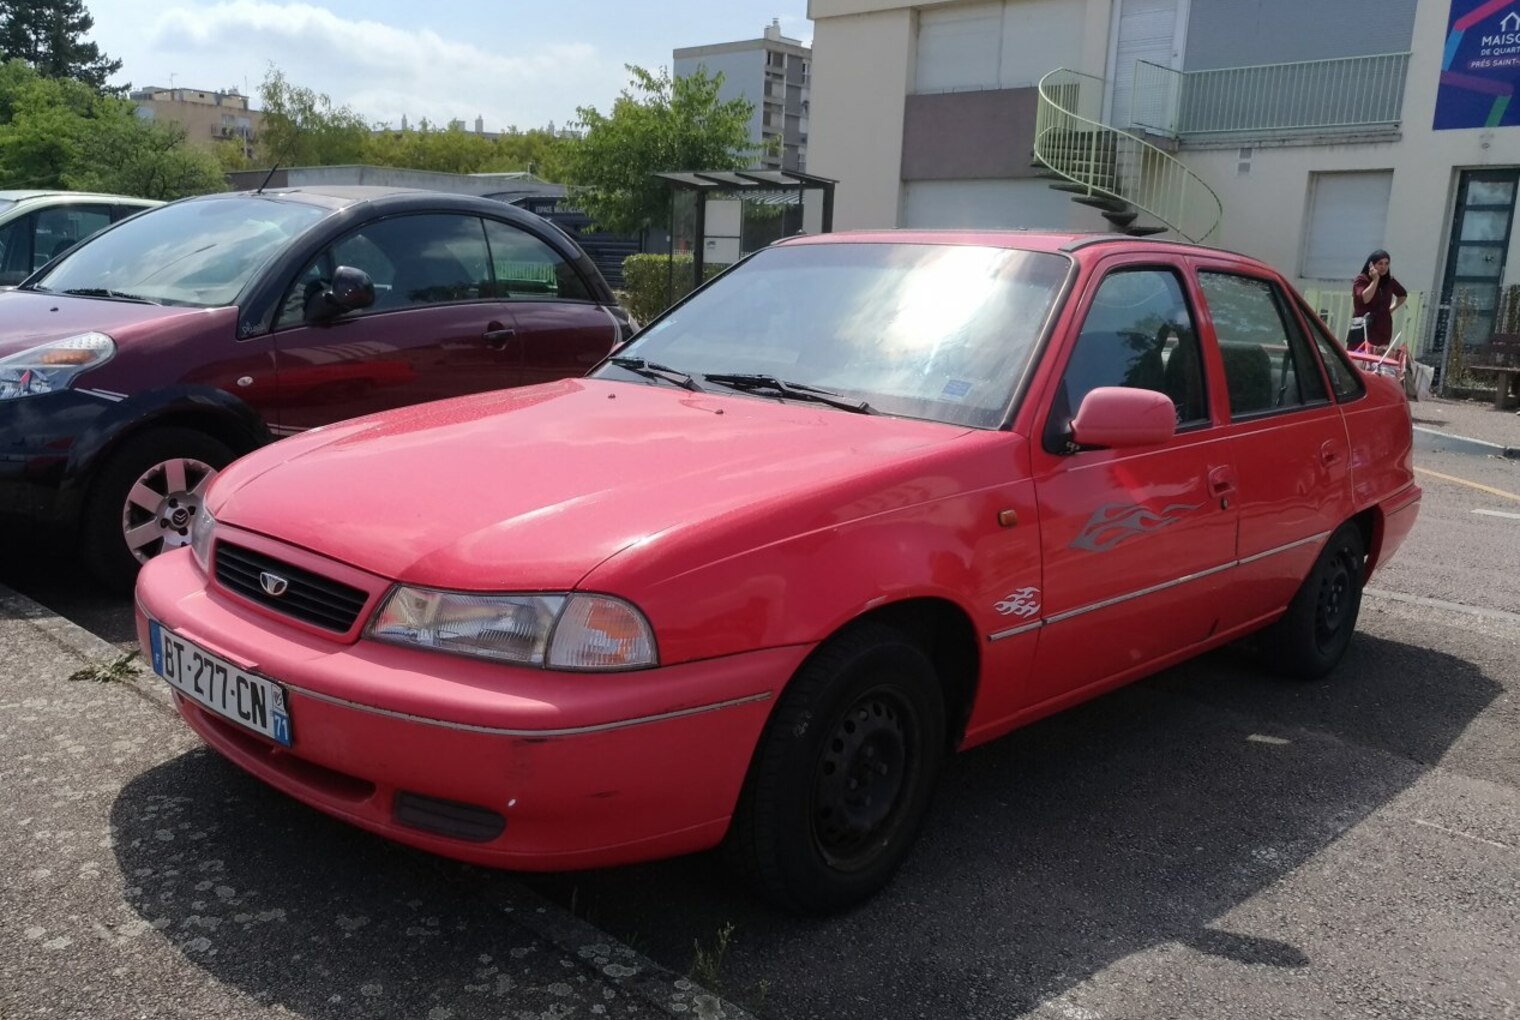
{"type": "Point", "coordinates": [1137, 187]}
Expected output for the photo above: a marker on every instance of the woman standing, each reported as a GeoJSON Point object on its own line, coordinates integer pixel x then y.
{"type": "Point", "coordinates": [1375, 295]}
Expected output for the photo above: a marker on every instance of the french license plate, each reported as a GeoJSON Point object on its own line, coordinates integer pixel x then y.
{"type": "Point", "coordinates": [213, 682]}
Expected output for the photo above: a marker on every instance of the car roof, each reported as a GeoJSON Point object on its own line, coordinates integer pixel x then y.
{"type": "Point", "coordinates": [1056, 242]}
{"type": "Point", "coordinates": [27, 195]}
{"type": "Point", "coordinates": [340, 197]}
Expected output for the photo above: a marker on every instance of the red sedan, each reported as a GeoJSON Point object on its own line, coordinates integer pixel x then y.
{"type": "Point", "coordinates": [862, 501]}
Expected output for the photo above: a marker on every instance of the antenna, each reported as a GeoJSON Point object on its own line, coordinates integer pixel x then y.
{"type": "Point", "coordinates": [260, 189]}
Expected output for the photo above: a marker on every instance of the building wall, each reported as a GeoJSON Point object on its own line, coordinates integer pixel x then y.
{"type": "Point", "coordinates": [743, 78]}
{"type": "Point", "coordinates": [207, 117]}
{"type": "Point", "coordinates": [1239, 33]}
{"type": "Point", "coordinates": [1266, 212]}
{"type": "Point", "coordinates": [862, 74]}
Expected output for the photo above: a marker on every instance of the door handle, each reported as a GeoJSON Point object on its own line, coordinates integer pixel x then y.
{"type": "Point", "coordinates": [1329, 453]}
{"type": "Point", "coordinates": [497, 337]}
{"type": "Point", "coordinates": [1222, 480]}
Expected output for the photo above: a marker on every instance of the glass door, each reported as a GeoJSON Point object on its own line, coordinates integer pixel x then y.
{"type": "Point", "coordinates": [1479, 240]}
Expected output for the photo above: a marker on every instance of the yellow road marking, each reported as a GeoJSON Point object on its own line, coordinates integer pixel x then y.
{"type": "Point", "coordinates": [1471, 485]}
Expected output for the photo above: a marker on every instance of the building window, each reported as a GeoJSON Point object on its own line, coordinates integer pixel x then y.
{"type": "Point", "coordinates": [1347, 215]}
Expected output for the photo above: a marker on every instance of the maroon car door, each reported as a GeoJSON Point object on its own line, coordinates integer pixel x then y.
{"type": "Point", "coordinates": [435, 330]}
{"type": "Point", "coordinates": [561, 329]}
{"type": "Point", "coordinates": [1287, 437]}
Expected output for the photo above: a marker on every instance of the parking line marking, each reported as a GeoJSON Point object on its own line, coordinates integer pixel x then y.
{"type": "Point", "coordinates": [1464, 835]}
{"type": "Point", "coordinates": [1471, 485]}
{"type": "Point", "coordinates": [1498, 513]}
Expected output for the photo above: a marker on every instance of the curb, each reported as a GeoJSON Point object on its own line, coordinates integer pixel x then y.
{"type": "Point", "coordinates": [639, 977]}
{"type": "Point", "coordinates": [1498, 450]}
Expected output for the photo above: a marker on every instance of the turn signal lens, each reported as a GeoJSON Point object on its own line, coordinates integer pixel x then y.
{"type": "Point", "coordinates": [596, 632]}
{"type": "Point", "coordinates": [202, 531]}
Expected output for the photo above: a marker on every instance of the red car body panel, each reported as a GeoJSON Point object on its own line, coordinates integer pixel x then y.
{"type": "Point", "coordinates": [748, 531]}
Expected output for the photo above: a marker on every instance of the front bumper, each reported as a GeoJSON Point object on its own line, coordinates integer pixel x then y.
{"type": "Point", "coordinates": [37, 438]}
{"type": "Point", "coordinates": [496, 765]}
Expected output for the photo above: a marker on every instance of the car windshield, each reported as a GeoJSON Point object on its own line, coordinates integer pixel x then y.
{"type": "Point", "coordinates": [198, 253]}
{"type": "Point", "coordinates": [935, 331]}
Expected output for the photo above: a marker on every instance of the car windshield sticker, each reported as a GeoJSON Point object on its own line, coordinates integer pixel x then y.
{"type": "Point", "coordinates": [1023, 603]}
{"type": "Point", "coordinates": [1117, 523]}
{"type": "Point", "coordinates": [956, 389]}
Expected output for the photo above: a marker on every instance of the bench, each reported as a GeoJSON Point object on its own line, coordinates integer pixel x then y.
{"type": "Point", "coordinates": [1500, 357]}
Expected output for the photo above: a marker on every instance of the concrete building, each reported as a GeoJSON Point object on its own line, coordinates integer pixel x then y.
{"type": "Point", "coordinates": [772, 72]}
{"type": "Point", "coordinates": [1301, 132]}
{"type": "Point", "coordinates": [207, 117]}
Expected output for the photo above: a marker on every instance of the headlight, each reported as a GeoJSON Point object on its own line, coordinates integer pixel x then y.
{"type": "Point", "coordinates": [202, 530]}
{"type": "Point", "coordinates": [571, 632]}
{"type": "Point", "coordinates": [53, 366]}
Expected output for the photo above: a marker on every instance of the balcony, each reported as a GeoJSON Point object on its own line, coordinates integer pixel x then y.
{"type": "Point", "coordinates": [1346, 95]}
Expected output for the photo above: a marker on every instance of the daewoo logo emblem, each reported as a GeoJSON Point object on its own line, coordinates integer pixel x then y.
{"type": "Point", "coordinates": [273, 584]}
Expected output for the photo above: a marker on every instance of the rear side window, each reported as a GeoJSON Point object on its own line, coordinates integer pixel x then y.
{"type": "Point", "coordinates": [1345, 380]}
{"type": "Point", "coordinates": [1268, 366]}
{"type": "Point", "coordinates": [1138, 332]}
{"type": "Point", "coordinates": [527, 267]}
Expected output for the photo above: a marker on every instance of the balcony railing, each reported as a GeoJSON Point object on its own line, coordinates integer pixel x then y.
{"type": "Point", "coordinates": [1346, 93]}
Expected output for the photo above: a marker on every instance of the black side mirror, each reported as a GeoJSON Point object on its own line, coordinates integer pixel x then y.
{"type": "Point", "coordinates": [351, 289]}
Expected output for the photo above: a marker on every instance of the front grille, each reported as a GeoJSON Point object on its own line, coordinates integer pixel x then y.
{"type": "Point", "coordinates": [308, 597]}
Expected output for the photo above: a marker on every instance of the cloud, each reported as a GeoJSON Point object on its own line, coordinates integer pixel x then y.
{"type": "Point", "coordinates": [381, 70]}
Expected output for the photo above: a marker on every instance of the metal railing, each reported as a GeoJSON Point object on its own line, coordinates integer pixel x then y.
{"type": "Point", "coordinates": [1071, 140]}
{"type": "Point", "coordinates": [1365, 93]}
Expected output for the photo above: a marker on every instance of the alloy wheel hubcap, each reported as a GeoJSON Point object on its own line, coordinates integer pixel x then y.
{"type": "Point", "coordinates": [162, 505]}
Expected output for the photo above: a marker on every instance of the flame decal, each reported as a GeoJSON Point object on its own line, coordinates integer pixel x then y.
{"type": "Point", "coordinates": [1117, 523]}
{"type": "Point", "coordinates": [1023, 603]}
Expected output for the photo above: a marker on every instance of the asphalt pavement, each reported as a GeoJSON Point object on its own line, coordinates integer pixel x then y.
{"type": "Point", "coordinates": [1208, 843]}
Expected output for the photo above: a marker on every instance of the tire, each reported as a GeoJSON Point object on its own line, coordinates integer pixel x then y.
{"type": "Point", "coordinates": [174, 465]}
{"type": "Point", "coordinates": [1314, 633]}
{"type": "Point", "coordinates": [865, 709]}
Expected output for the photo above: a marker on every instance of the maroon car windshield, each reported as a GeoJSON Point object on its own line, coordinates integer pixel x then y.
{"type": "Point", "coordinates": [199, 253]}
{"type": "Point", "coordinates": [935, 331]}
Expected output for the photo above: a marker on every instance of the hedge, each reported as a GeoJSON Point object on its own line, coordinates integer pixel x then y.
{"type": "Point", "coordinates": [652, 283]}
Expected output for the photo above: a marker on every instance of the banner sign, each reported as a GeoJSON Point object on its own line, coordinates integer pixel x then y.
{"type": "Point", "coordinates": [1480, 69]}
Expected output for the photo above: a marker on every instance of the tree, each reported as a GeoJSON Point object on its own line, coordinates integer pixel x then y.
{"type": "Point", "coordinates": [125, 155]}
{"type": "Point", "coordinates": [303, 128]}
{"type": "Point", "coordinates": [61, 133]}
{"type": "Point", "coordinates": [49, 35]}
{"type": "Point", "coordinates": [657, 124]}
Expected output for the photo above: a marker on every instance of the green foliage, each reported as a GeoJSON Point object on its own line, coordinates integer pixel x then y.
{"type": "Point", "coordinates": [61, 133]}
{"type": "Point", "coordinates": [657, 124]}
{"type": "Point", "coordinates": [50, 36]}
{"type": "Point", "coordinates": [303, 128]}
{"type": "Point", "coordinates": [652, 283]}
{"type": "Point", "coordinates": [125, 155]}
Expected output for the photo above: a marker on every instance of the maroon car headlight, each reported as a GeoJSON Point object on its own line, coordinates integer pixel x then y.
{"type": "Point", "coordinates": [52, 366]}
{"type": "Point", "coordinates": [557, 631]}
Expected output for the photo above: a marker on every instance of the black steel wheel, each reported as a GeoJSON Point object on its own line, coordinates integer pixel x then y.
{"type": "Point", "coordinates": [843, 775]}
{"type": "Point", "coordinates": [1314, 633]}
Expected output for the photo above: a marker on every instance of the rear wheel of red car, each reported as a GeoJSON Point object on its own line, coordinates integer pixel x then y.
{"type": "Point", "coordinates": [1316, 630]}
{"type": "Point", "coordinates": [145, 498]}
{"type": "Point", "coordinates": [843, 774]}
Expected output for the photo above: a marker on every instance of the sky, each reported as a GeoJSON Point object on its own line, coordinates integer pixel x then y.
{"type": "Point", "coordinates": [510, 62]}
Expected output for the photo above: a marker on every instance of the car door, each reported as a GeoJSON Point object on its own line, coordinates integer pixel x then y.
{"type": "Point", "coordinates": [561, 329]}
{"type": "Point", "coordinates": [1286, 435]}
{"type": "Point", "coordinates": [435, 330]}
{"type": "Point", "coordinates": [1136, 543]}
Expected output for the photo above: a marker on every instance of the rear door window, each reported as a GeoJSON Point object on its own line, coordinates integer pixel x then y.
{"type": "Point", "coordinates": [1268, 366]}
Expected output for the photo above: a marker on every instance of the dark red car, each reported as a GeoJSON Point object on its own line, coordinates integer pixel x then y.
{"type": "Point", "coordinates": [136, 366]}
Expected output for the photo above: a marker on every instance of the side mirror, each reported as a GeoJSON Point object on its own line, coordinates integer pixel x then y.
{"type": "Point", "coordinates": [351, 289]}
{"type": "Point", "coordinates": [1119, 416]}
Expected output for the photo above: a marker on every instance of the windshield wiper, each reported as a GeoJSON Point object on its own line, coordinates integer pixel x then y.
{"type": "Point", "coordinates": [105, 293]}
{"type": "Point", "coordinates": [750, 381]}
{"type": "Point", "coordinates": [655, 370]}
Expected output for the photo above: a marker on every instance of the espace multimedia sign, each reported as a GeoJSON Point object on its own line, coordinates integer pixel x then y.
{"type": "Point", "coordinates": [1480, 69]}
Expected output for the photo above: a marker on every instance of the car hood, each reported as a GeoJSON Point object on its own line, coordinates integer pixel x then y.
{"type": "Point", "coordinates": [28, 318]}
{"type": "Point", "coordinates": [532, 488]}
